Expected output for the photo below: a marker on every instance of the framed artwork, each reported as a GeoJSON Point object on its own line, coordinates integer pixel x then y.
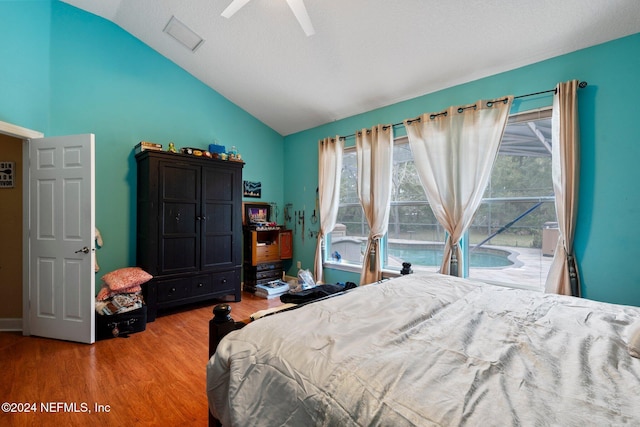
{"type": "Point", "coordinates": [255, 213]}
{"type": "Point", "coordinates": [252, 189]}
{"type": "Point", "coordinates": [6, 174]}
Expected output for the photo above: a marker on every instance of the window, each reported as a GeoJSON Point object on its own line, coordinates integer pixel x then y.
{"type": "Point", "coordinates": [348, 240]}
{"type": "Point", "coordinates": [414, 234]}
{"type": "Point", "coordinates": [514, 232]}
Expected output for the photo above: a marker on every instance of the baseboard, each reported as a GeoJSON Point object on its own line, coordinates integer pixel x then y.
{"type": "Point", "coordinates": [7, 325]}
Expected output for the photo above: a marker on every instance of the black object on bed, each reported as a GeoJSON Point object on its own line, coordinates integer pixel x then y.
{"type": "Point", "coordinates": [315, 293]}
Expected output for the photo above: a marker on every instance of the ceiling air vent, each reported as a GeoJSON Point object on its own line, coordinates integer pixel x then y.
{"type": "Point", "coordinates": [183, 34]}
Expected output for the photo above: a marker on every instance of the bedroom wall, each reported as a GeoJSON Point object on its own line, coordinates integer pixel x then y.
{"type": "Point", "coordinates": [25, 27]}
{"type": "Point", "coordinates": [125, 92]}
{"type": "Point", "coordinates": [86, 75]}
{"type": "Point", "coordinates": [607, 235]}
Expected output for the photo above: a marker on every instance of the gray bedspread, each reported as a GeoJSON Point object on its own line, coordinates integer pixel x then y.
{"type": "Point", "coordinates": [428, 349]}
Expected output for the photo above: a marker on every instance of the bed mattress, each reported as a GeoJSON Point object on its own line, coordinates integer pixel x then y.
{"type": "Point", "coordinates": [429, 349]}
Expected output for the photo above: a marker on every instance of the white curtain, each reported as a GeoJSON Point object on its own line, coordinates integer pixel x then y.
{"type": "Point", "coordinates": [374, 148]}
{"type": "Point", "coordinates": [330, 152]}
{"type": "Point", "coordinates": [563, 275]}
{"type": "Point", "coordinates": [454, 152]}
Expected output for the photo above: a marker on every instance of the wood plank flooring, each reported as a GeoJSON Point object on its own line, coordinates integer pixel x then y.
{"type": "Point", "coordinates": [153, 378]}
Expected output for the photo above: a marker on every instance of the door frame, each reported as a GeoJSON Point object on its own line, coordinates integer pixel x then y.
{"type": "Point", "coordinates": [25, 135]}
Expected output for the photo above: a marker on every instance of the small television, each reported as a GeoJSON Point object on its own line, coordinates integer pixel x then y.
{"type": "Point", "coordinates": [256, 213]}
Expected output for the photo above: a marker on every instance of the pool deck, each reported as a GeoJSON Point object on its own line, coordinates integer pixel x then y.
{"type": "Point", "coordinates": [529, 271]}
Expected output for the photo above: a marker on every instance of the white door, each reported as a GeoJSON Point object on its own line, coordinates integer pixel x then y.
{"type": "Point", "coordinates": [61, 238]}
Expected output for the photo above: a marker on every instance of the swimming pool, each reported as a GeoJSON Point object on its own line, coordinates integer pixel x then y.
{"type": "Point", "coordinates": [431, 254]}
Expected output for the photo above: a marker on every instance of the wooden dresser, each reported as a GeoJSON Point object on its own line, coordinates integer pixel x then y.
{"type": "Point", "coordinates": [189, 228]}
{"type": "Point", "coordinates": [261, 256]}
{"type": "Point", "coordinates": [264, 250]}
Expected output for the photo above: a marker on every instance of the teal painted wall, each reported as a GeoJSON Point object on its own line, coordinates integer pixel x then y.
{"type": "Point", "coordinates": [73, 72]}
{"type": "Point", "coordinates": [25, 27]}
{"type": "Point", "coordinates": [87, 75]}
{"type": "Point", "coordinates": [607, 235]}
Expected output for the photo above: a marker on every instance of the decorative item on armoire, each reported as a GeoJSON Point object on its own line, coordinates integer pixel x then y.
{"type": "Point", "coordinates": [146, 146]}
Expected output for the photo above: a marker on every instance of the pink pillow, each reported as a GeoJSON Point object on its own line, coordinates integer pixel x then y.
{"type": "Point", "coordinates": [127, 277]}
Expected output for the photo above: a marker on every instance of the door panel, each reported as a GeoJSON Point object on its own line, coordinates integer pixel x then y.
{"type": "Point", "coordinates": [218, 251]}
{"type": "Point", "coordinates": [222, 226]}
{"type": "Point", "coordinates": [72, 216]}
{"type": "Point", "coordinates": [62, 224]}
{"type": "Point", "coordinates": [179, 181]}
{"type": "Point", "coordinates": [179, 225]}
{"type": "Point", "coordinates": [45, 268]}
{"type": "Point", "coordinates": [221, 184]}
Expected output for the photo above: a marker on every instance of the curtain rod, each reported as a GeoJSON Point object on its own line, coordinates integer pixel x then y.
{"type": "Point", "coordinates": [554, 90]}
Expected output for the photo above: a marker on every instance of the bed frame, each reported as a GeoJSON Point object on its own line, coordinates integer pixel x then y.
{"type": "Point", "coordinates": [219, 326]}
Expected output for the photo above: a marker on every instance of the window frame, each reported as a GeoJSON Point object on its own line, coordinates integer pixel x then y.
{"type": "Point", "coordinates": [328, 262]}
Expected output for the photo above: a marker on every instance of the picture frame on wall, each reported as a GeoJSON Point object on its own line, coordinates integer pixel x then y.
{"type": "Point", "coordinates": [255, 213]}
{"type": "Point", "coordinates": [7, 175]}
{"type": "Point", "coordinates": [252, 189]}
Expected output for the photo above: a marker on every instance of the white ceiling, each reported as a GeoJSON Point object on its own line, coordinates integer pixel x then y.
{"type": "Point", "coordinates": [365, 54]}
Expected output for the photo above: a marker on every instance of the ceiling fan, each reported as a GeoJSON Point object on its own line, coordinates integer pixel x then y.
{"type": "Point", "coordinates": [297, 7]}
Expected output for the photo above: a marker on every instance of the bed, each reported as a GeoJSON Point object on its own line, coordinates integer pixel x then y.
{"type": "Point", "coordinates": [429, 349]}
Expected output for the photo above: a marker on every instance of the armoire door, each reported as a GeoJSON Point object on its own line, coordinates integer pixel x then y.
{"type": "Point", "coordinates": [180, 218]}
{"type": "Point", "coordinates": [222, 218]}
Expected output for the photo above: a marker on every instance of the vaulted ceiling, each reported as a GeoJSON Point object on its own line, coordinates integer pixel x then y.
{"type": "Point", "coordinates": [365, 54]}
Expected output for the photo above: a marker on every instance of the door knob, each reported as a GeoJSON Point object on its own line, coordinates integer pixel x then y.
{"type": "Point", "coordinates": [84, 250]}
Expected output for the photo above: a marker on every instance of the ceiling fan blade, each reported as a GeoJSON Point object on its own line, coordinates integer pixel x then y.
{"type": "Point", "coordinates": [297, 6]}
{"type": "Point", "coordinates": [233, 8]}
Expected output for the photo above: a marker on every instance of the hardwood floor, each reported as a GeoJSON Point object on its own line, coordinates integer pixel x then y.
{"type": "Point", "coordinates": [152, 378]}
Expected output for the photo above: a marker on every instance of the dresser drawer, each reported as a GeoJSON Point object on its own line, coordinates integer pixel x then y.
{"type": "Point", "coordinates": [269, 274]}
{"type": "Point", "coordinates": [172, 289]}
{"type": "Point", "coordinates": [201, 285]}
{"type": "Point", "coordinates": [161, 293]}
{"type": "Point", "coordinates": [267, 253]}
{"type": "Point", "coordinates": [225, 280]}
{"type": "Point", "coordinates": [269, 266]}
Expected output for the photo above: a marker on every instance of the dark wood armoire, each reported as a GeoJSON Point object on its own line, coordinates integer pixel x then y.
{"type": "Point", "coordinates": [189, 228]}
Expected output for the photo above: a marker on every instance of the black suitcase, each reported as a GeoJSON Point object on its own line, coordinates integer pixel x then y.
{"type": "Point", "coordinates": [121, 325]}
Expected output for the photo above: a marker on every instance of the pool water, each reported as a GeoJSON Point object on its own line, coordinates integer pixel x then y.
{"type": "Point", "coordinates": [420, 255]}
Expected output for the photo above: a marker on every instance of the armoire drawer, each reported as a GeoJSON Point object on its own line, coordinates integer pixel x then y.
{"type": "Point", "coordinates": [224, 280]}
{"type": "Point", "coordinates": [201, 285]}
{"type": "Point", "coordinates": [172, 289]}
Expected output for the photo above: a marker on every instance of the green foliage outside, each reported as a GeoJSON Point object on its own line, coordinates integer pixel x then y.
{"type": "Point", "coordinates": [518, 182]}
